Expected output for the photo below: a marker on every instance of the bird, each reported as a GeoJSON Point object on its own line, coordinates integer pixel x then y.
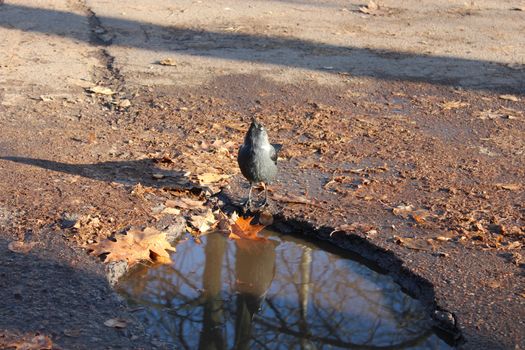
{"type": "Point", "coordinates": [257, 159]}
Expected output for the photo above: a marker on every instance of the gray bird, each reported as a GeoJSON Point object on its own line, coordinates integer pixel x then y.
{"type": "Point", "coordinates": [257, 159]}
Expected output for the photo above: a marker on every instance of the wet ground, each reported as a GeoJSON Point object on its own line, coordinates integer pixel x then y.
{"type": "Point", "coordinates": [279, 293]}
{"type": "Point", "coordinates": [403, 134]}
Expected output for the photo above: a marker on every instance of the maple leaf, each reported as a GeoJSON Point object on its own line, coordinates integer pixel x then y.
{"type": "Point", "coordinates": [242, 228]}
{"type": "Point", "coordinates": [136, 245]}
{"type": "Point", "coordinates": [204, 223]}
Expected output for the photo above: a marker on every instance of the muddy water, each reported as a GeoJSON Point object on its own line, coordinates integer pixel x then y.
{"type": "Point", "coordinates": [279, 293]}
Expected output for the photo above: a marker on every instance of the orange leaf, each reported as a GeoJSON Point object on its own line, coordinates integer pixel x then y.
{"type": "Point", "coordinates": [242, 228]}
{"type": "Point", "coordinates": [135, 246]}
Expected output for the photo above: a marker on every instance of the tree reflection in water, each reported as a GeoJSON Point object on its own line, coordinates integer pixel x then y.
{"type": "Point", "coordinates": [280, 293]}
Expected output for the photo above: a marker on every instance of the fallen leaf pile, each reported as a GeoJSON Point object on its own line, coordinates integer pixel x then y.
{"type": "Point", "coordinates": [135, 246]}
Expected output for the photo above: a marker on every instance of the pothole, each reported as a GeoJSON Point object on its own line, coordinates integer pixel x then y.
{"type": "Point", "coordinates": [281, 292]}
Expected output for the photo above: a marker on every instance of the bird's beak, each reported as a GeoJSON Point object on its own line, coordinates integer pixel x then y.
{"type": "Point", "coordinates": [256, 123]}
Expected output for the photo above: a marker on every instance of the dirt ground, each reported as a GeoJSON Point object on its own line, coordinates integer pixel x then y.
{"type": "Point", "coordinates": [403, 132]}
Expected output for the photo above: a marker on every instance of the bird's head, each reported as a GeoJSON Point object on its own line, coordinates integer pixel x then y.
{"type": "Point", "coordinates": [257, 133]}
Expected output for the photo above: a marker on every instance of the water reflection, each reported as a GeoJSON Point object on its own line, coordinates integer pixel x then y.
{"type": "Point", "coordinates": [274, 294]}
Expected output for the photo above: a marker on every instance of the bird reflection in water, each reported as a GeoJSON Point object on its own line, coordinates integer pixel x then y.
{"type": "Point", "coordinates": [255, 270]}
{"type": "Point", "coordinates": [277, 293]}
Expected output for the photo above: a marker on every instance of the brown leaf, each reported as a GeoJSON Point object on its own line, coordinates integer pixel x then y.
{"type": "Point", "coordinates": [369, 8]}
{"type": "Point", "coordinates": [135, 246]}
{"type": "Point", "coordinates": [184, 203]}
{"type": "Point", "coordinates": [242, 228]}
{"type": "Point", "coordinates": [116, 323]}
{"type": "Point", "coordinates": [21, 247]}
{"type": "Point", "coordinates": [101, 90]}
{"type": "Point", "coordinates": [412, 243]}
{"type": "Point", "coordinates": [92, 138]}
{"type": "Point", "coordinates": [353, 227]}
{"type": "Point", "coordinates": [419, 216]}
{"type": "Point", "coordinates": [204, 223]}
{"type": "Point", "coordinates": [513, 245]}
{"type": "Point", "coordinates": [403, 210]}
{"type": "Point", "coordinates": [167, 62]}
{"type": "Point", "coordinates": [493, 284]}
{"type": "Point", "coordinates": [509, 187]}
{"type": "Point", "coordinates": [509, 98]}
{"type": "Point", "coordinates": [210, 178]}
{"type": "Point", "coordinates": [170, 211]}
{"type": "Point", "coordinates": [292, 198]}
{"type": "Point", "coordinates": [454, 105]}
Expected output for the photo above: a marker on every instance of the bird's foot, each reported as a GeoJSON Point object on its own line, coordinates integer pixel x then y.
{"type": "Point", "coordinates": [246, 205]}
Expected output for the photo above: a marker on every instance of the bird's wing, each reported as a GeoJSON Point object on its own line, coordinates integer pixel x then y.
{"type": "Point", "coordinates": [275, 151]}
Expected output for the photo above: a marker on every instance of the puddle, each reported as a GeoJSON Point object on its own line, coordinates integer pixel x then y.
{"type": "Point", "coordinates": [282, 293]}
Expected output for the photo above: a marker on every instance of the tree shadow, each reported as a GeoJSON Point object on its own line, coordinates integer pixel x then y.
{"type": "Point", "coordinates": [124, 172]}
{"type": "Point", "coordinates": [54, 291]}
{"type": "Point", "coordinates": [280, 51]}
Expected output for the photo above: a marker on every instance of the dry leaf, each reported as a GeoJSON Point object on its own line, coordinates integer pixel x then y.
{"type": "Point", "coordinates": [292, 198]}
{"type": "Point", "coordinates": [136, 245]}
{"type": "Point", "coordinates": [204, 223]}
{"type": "Point", "coordinates": [21, 247]}
{"type": "Point", "coordinates": [170, 211]}
{"type": "Point", "coordinates": [116, 323]}
{"type": "Point", "coordinates": [92, 138]}
{"type": "Point", "coordinates": [184, 203]}
{"type": "Point", "coordinates": [210, 178]}
{"type": "Point", "coordinates": [125, 103]}
{"type": "Point", "coordinates": [510, 187]}
{"type": "Point", "coordinates": [454, 105]}
{"type": "Point", "coordinates": [242, 228]}
{"type": "Point", "coordinates": [509, 98]}
{"type": "Point", "coordinates": [72, 332]}
{"type": "Point", "coordinates": [513, 245]}
{"type": "Point", "coordinates": [101, 90]}
{"type": "Point", "coordinates": [403, 210]}
{"type": "Point", "coordinates": [38, 342]}
{"type": "Point", "coordinates": [353, 227]}
{"type": "Point", "coordinates": [167, 62]}
{"type": "Point", "coordinates": [370, 8]}
{"type": "Point", "coordinates": [493, 284]}
{"type": "Point", "coordinates": [412, 243]}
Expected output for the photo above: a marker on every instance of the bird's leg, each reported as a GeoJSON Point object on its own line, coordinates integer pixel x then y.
{"type": "Point", "coordinates": [248, 202]}
{"type": "Point", "coordinates": [265, 202]}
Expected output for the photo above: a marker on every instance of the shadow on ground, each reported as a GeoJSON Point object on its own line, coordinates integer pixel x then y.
{"type": "Point", "coordinates": [280, 51]}
{"type": "Point", "coordinates": [54, 291]}
{"type": "Point", "coordinates": [124, 172]}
